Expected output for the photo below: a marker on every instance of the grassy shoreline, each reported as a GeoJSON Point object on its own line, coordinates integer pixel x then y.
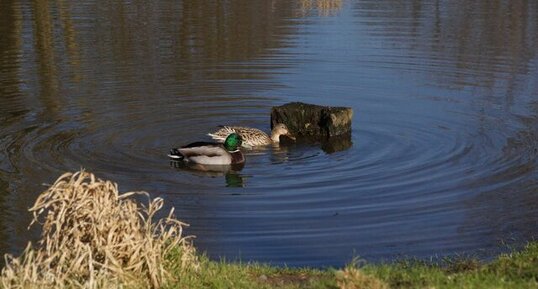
{"type": "Point", "coordinates": [93, 236]}
{"type": "Point", "coordinates": [518, 269]}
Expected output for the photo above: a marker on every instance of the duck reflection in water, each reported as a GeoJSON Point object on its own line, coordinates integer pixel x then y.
{"type": "Point", "coordinates": [230, 172]}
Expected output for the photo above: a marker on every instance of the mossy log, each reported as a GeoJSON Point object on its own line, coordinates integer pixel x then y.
{"type": "Point", "coordinates": [313, 121]}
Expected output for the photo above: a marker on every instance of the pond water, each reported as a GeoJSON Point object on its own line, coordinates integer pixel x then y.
{"type": "Point", "coordinates": [445, 128]}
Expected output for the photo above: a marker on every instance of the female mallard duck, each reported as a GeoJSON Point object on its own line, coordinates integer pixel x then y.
{"type": "Point", "coordinates": [207, 153]}
{"type": "Point", "coordinates": [252, 136]}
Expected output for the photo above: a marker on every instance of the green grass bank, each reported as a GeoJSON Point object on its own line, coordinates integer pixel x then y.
{"type": "Point", "coordinates": [518, 269]}
{"type": "Point", "coordinates": [93, 236]}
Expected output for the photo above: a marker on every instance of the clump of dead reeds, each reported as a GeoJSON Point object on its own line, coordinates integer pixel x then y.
{"type": "Point", "coordinates": [95, 237]}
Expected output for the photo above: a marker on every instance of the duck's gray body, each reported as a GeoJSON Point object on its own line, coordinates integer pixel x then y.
{"type": "Point", "coordinates": [207, 153]}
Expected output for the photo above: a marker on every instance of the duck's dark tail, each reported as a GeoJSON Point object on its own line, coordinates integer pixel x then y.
{"type": "Point", "coordinates": [175, 154]}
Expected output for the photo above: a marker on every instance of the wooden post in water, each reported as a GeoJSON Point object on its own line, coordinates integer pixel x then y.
{"type": "Point", "coordinates": [312, 120]}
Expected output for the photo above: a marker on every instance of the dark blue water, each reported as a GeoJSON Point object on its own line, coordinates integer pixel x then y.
{"type": "Point", "coordinates": [444, 144]}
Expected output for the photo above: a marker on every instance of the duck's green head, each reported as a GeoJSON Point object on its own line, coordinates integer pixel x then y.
{"type": "Point", "coordinates": [232, 142]}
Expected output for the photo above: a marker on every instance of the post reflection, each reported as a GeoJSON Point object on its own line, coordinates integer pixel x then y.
{"type": "Point", "coordinates": [323, 7]}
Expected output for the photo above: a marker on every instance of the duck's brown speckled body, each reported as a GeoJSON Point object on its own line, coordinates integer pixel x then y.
{"type": "Point", "coordinates": [252, 136]}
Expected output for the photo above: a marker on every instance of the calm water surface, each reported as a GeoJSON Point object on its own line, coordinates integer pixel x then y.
{"type": "Point", "coordinates": [445, 131]}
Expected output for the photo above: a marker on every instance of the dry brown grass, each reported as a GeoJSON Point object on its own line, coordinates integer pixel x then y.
{"type": "Point", "coordinates": [94, 237]}
{"type": "Point", "coordinates": [353, 278]}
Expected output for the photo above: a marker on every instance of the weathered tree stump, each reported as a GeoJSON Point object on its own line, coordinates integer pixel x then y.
{"type": "Point", "coordinates": [313, 121]}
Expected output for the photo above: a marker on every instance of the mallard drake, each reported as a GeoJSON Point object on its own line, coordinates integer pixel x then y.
{"type": "Point", "coordinates": [207, 153]}
{"type": "Point", "coordinates": [252, 136]}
